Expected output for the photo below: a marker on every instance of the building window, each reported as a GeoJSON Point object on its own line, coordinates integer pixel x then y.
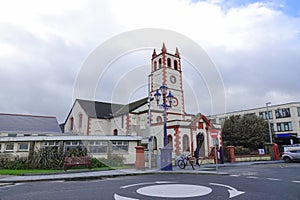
{"type": "Point", "coordinates": [9, 147]}
{"type": "Point", "coordinates": [298, 111]}
{"type": "Point", "coordinates": [185, 143]}
{"type": "Point", "coordinates": [50, 145]}
{"type": "Point", "coordinates": [264, 116]}
{"type": "Point", "coordinates": [284, 126]}
{"type": "Point", "coordinates": [72, 145]}
{"type": "Point", "coordinates": [120, 146]}
{"type": "Point", "coordinates": [98, 146]}
{"type": "Point", "coordinates": [159, 63]}
{"type": "Point", "coordinates": [80, 120]}
{"type": "Point", "coordinates": [155, 65]}
{"type": "Point", "coordinates": [71, 124]}
{"type": "Point", "coordinates": [122, 121]}
{"type": "Point", "coordinates": [23, 146]}
{"type": "Point", "coordinates": [175, 65]}
{"type": "Point", "coordinates": [170, 141]}
{"type": "Point", "coordinates": [169, 62]}
{"type": "Point", "coordinates": [272, 127]}
{"type": "Point", "coordinates": [115, 132]}
{"type": "Point", "coordinates": [282, 113]}
{"type": "Point", "coordinates": [154, 143]}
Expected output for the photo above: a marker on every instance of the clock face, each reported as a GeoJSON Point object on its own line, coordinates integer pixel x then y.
{"type": "Point", "coordinates": [173, 79]}
{"type": "Point", "coordinates": [174, 101]}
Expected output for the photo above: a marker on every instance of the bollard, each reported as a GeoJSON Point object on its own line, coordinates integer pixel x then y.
{"type": "Point", "coordinates": [140, 158]}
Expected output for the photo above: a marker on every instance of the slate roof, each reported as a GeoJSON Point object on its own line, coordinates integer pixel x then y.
{"type": "Point", "coordinates": [28, 123]}
{"type": "Point", "coordinates": [104, 110]}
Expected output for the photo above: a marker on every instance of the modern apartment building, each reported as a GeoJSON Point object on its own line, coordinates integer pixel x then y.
{"type": "Point", "coordinates": [284, 120]}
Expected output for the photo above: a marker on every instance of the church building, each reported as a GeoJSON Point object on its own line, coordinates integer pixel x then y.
{"type": "Point", "coordinates": [123, 127]}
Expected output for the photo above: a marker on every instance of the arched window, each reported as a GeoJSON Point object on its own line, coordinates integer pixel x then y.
{"type": "Point", "coordinates": [71, 123]}
{"type": "Point", "coordinates": [154, 143]}
{"type": "Point", "coordinates": [185, 143]}
{"type": "Point", "coordinates": [155, 65]}
{"type": "Point", "coordinates": [169, 62]}
{"type": "Point", "coordinates": [159, 63]}
{"type": "Point", "coordinates": [115, 132]}
{"type": "Point", "coordinates": [175, 65]}
{"type": "Point", "coordinates": [170, 141]}
{"type": "Point", "coordinates": [80, 120]}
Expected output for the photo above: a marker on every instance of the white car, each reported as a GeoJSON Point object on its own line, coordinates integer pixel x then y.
{"type": "Point", "coordinates": [291, 156]}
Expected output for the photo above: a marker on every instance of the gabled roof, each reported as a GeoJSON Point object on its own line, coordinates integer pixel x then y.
{"type": "Point", "coordinates": [28, 123]}
{"type": "Point", "coordinates": [104, 110]}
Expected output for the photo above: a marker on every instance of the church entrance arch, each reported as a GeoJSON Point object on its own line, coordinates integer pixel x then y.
{"type": "Point", "coordinates": [199, 142]}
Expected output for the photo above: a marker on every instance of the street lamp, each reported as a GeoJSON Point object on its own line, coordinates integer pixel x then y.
{"type": "Point", "coordinates": [270, 132]}
{"type": "Point", "coordinates": [149, 125]}
{"type": "Point", "coordinates": [166, 152]}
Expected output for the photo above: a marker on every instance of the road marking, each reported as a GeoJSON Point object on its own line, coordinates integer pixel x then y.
{"type": "Point", "coordinates": [253, 177]}
{"type": "Point", "coordinates": [174, 190]}
{"type": "Point", "coordinates": [148, 183]}
{"type": "Point", "coordinates": [118, 197]}
{"type": "Point", "coordinates": [296, 181]}
{"type": "Point", "coordinates": [232, 191]}
{"type": "Point", "coordinates": [235, 175]}
{"type": "Point", "coordinates": [273, 179]}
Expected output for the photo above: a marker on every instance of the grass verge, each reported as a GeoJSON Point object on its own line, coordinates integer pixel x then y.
{"type": "Point", "coordinates": [21, 172]}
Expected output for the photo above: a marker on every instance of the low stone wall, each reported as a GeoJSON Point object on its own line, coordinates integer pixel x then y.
{"type": "Point", "coordinates": [250, 158]}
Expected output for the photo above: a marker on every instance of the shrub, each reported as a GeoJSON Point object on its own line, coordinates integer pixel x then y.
{"type": "Point", "coordinates": [97, 164]}
{"type": "Point", "coordinates": [112, 161]}
{"type": "Point", "coordinates": [239, 150]}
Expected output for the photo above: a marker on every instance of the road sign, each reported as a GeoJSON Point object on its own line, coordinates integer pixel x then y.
{"type": "Point", "coordinates": [214, 133]}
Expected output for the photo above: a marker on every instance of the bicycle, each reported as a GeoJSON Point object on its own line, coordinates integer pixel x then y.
{"type": "Point", "coordinates": [183, 160]}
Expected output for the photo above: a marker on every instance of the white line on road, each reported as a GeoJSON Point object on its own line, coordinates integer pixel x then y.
{"type": "Point", "coordinates": [296, 181]}
{"type": "Point", "coordinates": [235, 175]}
{"type": "Point", "coordinates": [253, 177]}
{"type": "Point", "coordinates": [273, 179]}
{"type": "Point", "coordinates": [147, 183]}
{"type": "Point", "coordinates": [232, 191]}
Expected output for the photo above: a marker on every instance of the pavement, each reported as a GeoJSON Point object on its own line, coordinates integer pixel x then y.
{"type": "Point", "coordinates": [210, 169]}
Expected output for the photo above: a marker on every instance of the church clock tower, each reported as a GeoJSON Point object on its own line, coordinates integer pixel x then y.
{"type": "Point", "coordinates": [166, 69]}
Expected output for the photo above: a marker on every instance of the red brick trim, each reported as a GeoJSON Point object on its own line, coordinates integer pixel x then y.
{"type": "Point", "coordinates": [192, 140]}
{"type": "Point", "coordinates": [177, 141]}
{"type": "Point", "coordinates": [128, 121]}
{"type": "Point", "coordinates": [88, 126]}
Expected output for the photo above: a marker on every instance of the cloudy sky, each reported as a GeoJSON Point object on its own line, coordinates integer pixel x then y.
{"type": "Point", "coordinates": [255, 46]}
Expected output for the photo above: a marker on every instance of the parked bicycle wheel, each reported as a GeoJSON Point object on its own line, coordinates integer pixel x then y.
{"type": "Point", "coordinates": [181, 164]}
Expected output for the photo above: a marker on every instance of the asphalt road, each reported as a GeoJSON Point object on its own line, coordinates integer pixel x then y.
{"type": "Point", "coordinates": [274, 181]}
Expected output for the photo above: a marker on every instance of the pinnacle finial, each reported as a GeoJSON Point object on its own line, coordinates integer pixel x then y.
{"type": "Point", "coordinates": [177, 53]}
{"type": "Point", "coordinates": [164, 49]}
{"type": "Point", "coordinates": [154, 54]}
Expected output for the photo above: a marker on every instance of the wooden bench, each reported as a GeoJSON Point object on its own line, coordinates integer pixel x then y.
{"type": "Point", "coordinates": [77, 161]}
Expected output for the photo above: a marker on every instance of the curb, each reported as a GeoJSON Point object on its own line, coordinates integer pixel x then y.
{"type": "Point", "coordinates": [36, 178]}
{"type": "Point", "coordinates": [90, 175]}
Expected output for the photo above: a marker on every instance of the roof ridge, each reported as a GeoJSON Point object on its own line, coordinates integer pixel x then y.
{"type": "Point", "coordinates": [104, 102]}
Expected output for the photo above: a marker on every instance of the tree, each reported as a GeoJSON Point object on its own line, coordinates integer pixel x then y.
{"type": "Point", "coordinates": [248, 131]}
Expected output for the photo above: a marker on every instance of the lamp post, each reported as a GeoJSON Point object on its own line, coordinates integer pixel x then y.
{"type": "Point", "coordinates": [166, 152]}
{"type": "Point", "coordinates": [149, 125]}
{"type": "Point", "coordinates": [270, 132]}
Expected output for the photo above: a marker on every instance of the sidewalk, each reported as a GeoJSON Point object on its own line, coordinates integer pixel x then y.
{"type": "Point", "coordinates": [85, 175]}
